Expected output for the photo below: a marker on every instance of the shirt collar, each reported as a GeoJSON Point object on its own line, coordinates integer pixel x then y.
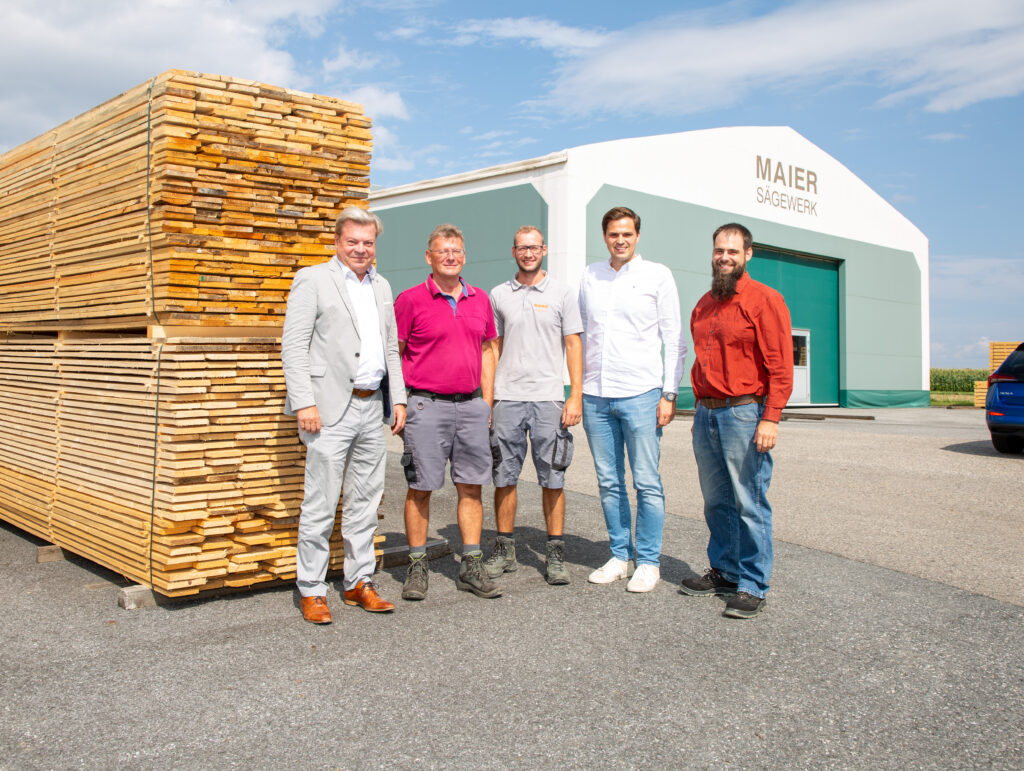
{"type": "Point", "coordinates": [637, 259]}
{"type": "Point", "coordinates": [347, 272]}
{"type": "Point", "coordinates": [434, 289]}
{"type": "Point", "coordinates": [540, 286]}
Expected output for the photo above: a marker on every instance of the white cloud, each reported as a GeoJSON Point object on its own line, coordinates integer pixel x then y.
{"type": "Point", "coordinates": [407, 33]}
{"type": "Point", "coordinates": [346, 59]}
{"type": "Point", "coordinates": [489, 136]}
{"type": "Point", "coordinates": [540, 33]}
{"type": "Point", "coordinates": [951, 54]}
{"type": "Point", "coordinates": [945, 136]}
{"type": "Point", "coordinates": [990, 280]}
{"type": "Point", "coordinates": [378, 102]}
{"type": "Point", "coordinates": [385, 163]}
{"type": "Point", "coordinates": [61, 57]}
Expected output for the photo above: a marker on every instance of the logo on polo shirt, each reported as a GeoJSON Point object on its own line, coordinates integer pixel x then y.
{"type": "Point", "coordinates": [540, 306]}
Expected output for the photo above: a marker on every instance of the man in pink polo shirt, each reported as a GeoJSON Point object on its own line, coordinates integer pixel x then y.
{"type": "Point", "coordinates": [444, 331]}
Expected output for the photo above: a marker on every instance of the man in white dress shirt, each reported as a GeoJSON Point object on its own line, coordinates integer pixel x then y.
{"type": "Point", "coordinates": [634, 348]}
{"type": "Point", "coordinates": [344, 378]}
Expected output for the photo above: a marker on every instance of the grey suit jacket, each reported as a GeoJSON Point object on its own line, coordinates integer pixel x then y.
{"type": "Point", "coordinates": [320, 343]}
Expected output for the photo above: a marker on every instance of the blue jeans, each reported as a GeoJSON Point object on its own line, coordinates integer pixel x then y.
{"type": "Point", "coordinates": [628, 423]}
{"type": "Point", "coordinates": [734, 478]}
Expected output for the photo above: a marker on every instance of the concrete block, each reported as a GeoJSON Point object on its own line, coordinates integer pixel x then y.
{"type": "Point", "coordinates": [135, 597]}
{"type": "Point", "coordinates": [50, 553]}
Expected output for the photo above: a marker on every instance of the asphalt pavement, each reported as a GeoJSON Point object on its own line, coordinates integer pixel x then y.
{"type": "Point", "coordinates": [892, 638]}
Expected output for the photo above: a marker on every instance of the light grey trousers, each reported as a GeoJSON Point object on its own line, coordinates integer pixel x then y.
{"type": "Point", "coordinates": [353, 452]}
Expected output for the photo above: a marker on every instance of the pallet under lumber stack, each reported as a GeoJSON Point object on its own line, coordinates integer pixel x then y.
{"type": "Point", "coordinates": [146, 252]}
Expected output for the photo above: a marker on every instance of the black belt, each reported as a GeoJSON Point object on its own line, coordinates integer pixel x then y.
{"type": "Point", "coordinates": [733, 401]}
{"type": "Point", "coordinates": [445, 397]}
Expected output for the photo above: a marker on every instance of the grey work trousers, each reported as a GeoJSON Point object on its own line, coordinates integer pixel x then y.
{"type": "Point", "coordinates": [351, 451]}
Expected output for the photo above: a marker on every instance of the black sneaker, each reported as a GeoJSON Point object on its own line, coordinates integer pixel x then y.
{"type": "Point", "coordinates": [503, 557]}
{"type": "Point", "coordinates": [555, 572]}
{"type": "Point", "coordinates": [709, 583]}
{"type": "Point", "coordinates": [415, 586]}
{"type": "Point", "coordinates": [472, 578]}
{"type": "Point", "coordinates": [744, 605]}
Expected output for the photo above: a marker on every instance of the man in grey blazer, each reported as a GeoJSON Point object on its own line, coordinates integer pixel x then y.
{"type": "Point", "coordinates": [344, 376]}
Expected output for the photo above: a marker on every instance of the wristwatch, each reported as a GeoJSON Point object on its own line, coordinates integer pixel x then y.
{"type": "Point", "coordinates": [669, 395]}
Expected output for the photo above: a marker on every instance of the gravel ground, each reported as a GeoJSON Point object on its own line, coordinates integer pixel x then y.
{"type": "Point", "coordinates": [893, 638]}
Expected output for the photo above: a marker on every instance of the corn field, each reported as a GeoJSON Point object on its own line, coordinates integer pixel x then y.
{"type": "Point", "coordinates": [956, 380]}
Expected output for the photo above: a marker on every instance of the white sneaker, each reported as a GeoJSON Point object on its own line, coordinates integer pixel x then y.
{"type": "Point", "coordinates": [612, 570]}
{"type": "Point", "coordinates": [644, 579]}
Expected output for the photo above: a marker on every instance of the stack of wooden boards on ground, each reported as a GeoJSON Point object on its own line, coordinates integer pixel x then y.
{"type": "Point", "coordinates": [997, 353]}
{"type": "Point", "coordinates": [146, 252]}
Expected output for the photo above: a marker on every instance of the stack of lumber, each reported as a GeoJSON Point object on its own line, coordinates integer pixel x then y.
{"type": "Point", "coordinates": [170, 461]}
{"type": "Point", "coordinates": [188, 200]}
{"type": "Point", "coordinates": [29, 384]}
{"type": "Point", "coordinates": [146, 251]}
{"type": "Point", "coordinates": [997, 353]}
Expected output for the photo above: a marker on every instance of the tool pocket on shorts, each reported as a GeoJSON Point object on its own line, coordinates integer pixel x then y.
{"type": "Point", "coordinates": [495, 452]}
{"type": "Point", "coordinates": [409, 467]}
{"type": "Point", "coordinates": [561, 455]}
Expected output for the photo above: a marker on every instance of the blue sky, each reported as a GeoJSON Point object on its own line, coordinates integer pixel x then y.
{"type": "Point", "coordinates": [922, 99]}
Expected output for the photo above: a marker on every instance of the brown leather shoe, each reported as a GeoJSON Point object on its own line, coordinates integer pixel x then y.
{"type": "Point", "coordinates": [315, 610]}
{"type": "Point", "coordinates": [366, 597]}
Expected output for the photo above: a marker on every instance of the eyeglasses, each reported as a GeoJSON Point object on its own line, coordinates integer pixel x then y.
{"type": "Point", "coordinates": [448, 252]}
{"type": "Point", "coordinates": [529, 249]}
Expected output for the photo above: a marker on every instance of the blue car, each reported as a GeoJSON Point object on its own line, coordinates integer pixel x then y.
{"type": "Point", "coordinates": [1004, 404]}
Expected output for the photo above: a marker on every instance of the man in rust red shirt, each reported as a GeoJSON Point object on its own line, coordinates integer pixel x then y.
{"type": "Point", "coordinates": [742, 378]}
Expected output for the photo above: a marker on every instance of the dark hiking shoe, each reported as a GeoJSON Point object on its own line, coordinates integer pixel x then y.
{"type": "Point", "coordinates": [555, 572]}
{"type": "Point", "coordinates": [744, 605]}
{"type": "Point", "coordinates": [472, 578]}
{"type": "Point", "coordinates": [709, 583]}
{"type": "Point", "coordinates": [503, 557]}
{"type": "Point", "coordinates": [415, 586]}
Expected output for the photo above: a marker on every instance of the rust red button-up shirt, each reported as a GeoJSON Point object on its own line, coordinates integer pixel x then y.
{"type": "Point", "coordinates": [743, 345]}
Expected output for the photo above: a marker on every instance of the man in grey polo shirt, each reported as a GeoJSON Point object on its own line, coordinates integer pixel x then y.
{"type": "Point", "coordinates": [538, 324]}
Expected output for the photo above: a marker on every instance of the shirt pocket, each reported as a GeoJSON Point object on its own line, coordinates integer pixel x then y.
{"type": "Point", "coordinates": [317, 370]}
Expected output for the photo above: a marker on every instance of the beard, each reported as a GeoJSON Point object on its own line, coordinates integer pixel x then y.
{"type": "Point", "coordinates": [723, 285]}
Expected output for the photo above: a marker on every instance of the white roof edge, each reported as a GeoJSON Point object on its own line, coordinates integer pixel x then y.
{"type": "Point", "coordinates": [552, 159]}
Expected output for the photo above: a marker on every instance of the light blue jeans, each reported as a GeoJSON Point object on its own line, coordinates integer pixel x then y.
{"type": "Point", "coordinates": [629, 424]}
{"type": "Point", "coordinates": [734, 478]}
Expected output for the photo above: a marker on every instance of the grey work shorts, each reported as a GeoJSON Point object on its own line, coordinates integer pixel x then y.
{"type": "Point", "coordinates": [512, 421]}
{"type": "Point", "coordinates": [436, 432]}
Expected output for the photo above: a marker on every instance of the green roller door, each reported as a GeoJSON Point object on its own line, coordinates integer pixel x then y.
{"type": "Point", "coordinates": [811, 288]}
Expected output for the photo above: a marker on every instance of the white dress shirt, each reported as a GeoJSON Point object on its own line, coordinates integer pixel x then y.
{"type": "Point", "coordinates": [372, 366]}
{"type": "Point", "coordinates": [633, 335]}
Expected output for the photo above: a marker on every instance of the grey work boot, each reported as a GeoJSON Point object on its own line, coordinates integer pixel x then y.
{"type": "Point", "coordinates": [555, 572]}
{"type": "Point", "coordinates": [472, 578]}
{"type": "Point", "coordinates": [503, 557]}
{"type": "Point", "coordinates": [415, 586]}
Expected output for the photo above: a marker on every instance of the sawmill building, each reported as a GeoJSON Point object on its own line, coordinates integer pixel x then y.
{"type": "Point", "coordinates": [853, 270]}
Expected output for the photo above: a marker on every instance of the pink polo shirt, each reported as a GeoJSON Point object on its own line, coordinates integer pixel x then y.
{"type": "Point", "coordinates": [443, 344]}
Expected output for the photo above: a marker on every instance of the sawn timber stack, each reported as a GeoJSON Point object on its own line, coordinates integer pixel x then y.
{"type": "Point", "coordinates": [188, 200]}
{"type": "Point", "coordinates": [146, 252]}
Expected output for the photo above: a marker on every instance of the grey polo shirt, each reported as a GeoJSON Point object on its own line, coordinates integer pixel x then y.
{"type": "Point", "coordinates": [533, 322]}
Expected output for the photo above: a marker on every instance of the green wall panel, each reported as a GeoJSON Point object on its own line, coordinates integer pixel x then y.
{"type": "Point", "coordinates": [487, 219]}
{"type": "Point", "coordinates": [864, 398]}
{"type": "Point", "coordinates": [811, 290]}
